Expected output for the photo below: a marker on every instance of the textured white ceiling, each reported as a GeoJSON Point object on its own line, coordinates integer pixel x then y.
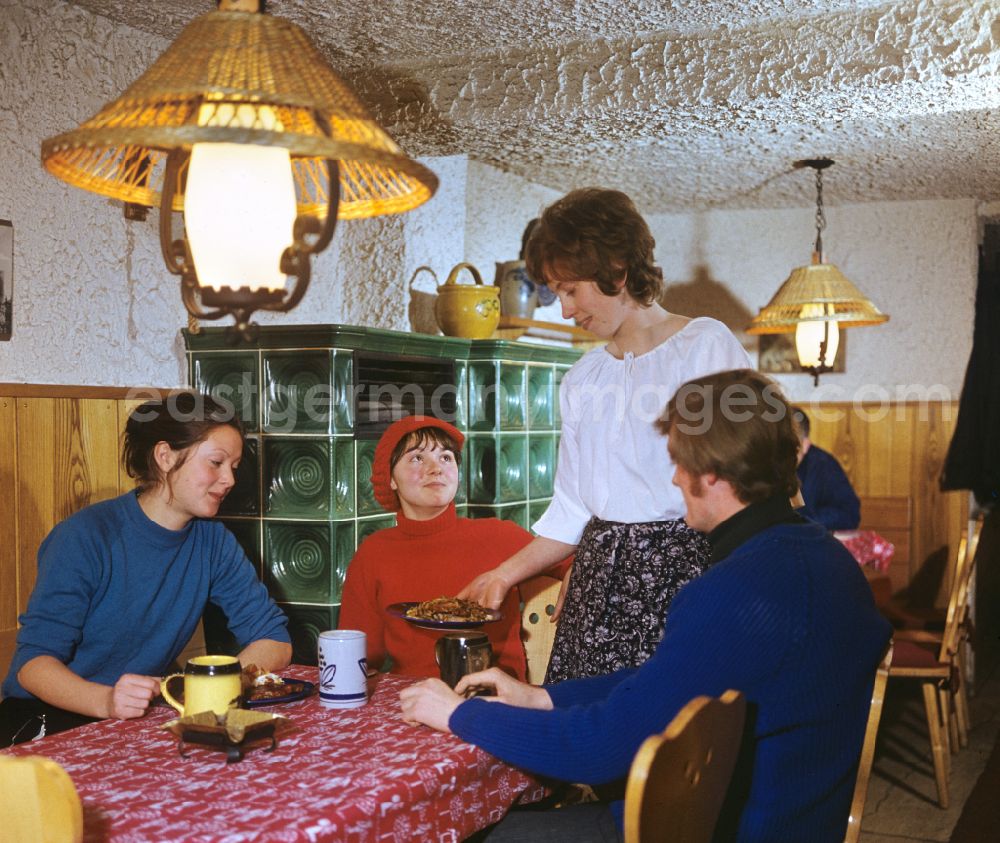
{"type": "Point", "coordinates": [683, 104]}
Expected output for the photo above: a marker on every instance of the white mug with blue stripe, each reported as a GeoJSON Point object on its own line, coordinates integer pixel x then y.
{"type": "Point", "coordinates": [343, 668]}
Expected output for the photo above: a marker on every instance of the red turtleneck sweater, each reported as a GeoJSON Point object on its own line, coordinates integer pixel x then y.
{"type": "Point", "coordinates": [421, 560]}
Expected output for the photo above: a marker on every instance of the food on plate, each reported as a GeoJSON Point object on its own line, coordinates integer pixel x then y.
{"type": "Point", "coordinates": [449, 609]}
{"type": "Point", "coordinates": [261, 685]}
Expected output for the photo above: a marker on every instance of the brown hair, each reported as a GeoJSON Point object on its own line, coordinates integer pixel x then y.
{"type": "Point", "coordinates": [595, 235]}
{"type": "Point", "coordinates": [738, 426]}
{"type": "Point", "coordinates": [422, 438]}
{"type": "Point", "coordinates": [182, 419]}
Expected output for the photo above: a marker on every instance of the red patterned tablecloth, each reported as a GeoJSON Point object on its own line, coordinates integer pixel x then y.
{"type": "Point", "coordinates": [341, 775]}
{"type": "Point", "coordinates": [868, 547]}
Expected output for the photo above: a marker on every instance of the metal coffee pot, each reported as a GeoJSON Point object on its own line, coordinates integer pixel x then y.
{"type": "Point", "coordinates": [461, 653]}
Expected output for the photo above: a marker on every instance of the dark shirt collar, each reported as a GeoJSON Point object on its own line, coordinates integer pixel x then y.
{"type": "Point", "coordinates": [749, 521]}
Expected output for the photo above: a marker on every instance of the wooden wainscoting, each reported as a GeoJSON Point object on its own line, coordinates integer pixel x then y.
{"type": "Point", "coordinates": [898, 451]}
{"type": "Point", "coordinates": [59, 452]}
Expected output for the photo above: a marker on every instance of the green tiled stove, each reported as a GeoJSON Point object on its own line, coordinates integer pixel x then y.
{"type": "Point", "coordinates": [315, 398]}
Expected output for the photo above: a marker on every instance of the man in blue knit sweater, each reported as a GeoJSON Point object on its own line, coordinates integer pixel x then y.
{"type": "Point", "coordinates": [783, 615]}
{"type": "Point", "coordinates": [829, 497]}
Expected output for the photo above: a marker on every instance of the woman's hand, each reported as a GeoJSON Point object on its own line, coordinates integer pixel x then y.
{"type": "Point", "coordinates": [430, 702]}
{"type": "Point", "coordinates": [131, 695]}
{"type": "Point", "coordinates": [487, 589]}
{"type": "Point", "coordinates": [506, 688]}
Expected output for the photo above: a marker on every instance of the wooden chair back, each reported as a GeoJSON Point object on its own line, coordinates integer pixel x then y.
{"type": "Point", "coordinates": [678, 780]}
{"type": "Point", "coordinates": [38, 801]}
{"type": "Point", "coordinates": [891, 516]}
{"type": "Point", "coordinates": [868, 748]}
{"type": "Point", "coordinates": [538, 596]}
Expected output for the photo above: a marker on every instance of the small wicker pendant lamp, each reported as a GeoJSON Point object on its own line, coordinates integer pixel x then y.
{"type": "Point", "coordinates": [240, 82]}
{"type": "Point", "coordinates": [816, 300]}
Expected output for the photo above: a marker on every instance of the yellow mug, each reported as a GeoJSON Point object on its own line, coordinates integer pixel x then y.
{"type": "Point", "coordinates": [211, 683]}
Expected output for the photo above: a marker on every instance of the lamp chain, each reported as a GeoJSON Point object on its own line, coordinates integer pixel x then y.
{"type": "Point", "coordinates": [820, 213]}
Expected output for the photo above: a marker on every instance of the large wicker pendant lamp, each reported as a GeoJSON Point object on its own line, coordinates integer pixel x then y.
{"type": "Point", "coordinates": [816, 301]}
{"type": "Point", "coordinates": [243, 127]}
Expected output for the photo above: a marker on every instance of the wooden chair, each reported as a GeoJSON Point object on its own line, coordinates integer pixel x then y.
{"type": "Point", "coordinates": [538, 596]}
{"type": "Point", "coordinates": [934, 661]}
{"type": "Point", "coordinates": [965, 567]}
{"type": "Point", "coordinates": [38, 801]}
{"type": "Point", "coordinates": [679, 779]}
{"type": "Point", "coordinates": [868, 748]}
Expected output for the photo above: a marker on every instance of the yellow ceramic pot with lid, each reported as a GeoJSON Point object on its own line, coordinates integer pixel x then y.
{"type": "Point", "coordinates": [467, 310]}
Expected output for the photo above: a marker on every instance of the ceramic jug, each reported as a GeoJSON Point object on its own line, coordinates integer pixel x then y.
{"type": "Point", "coordinates": [518, 296]}
{"type": "Point", "coordinates": [467, 310]}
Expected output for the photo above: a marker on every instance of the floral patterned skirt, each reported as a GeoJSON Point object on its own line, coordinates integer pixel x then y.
{"type": "Point", "coordinates": [624, 577]}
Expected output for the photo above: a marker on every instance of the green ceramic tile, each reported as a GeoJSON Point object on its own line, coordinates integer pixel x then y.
{"type": "Point", "coordinates": [306, 561]}
{"type": "Point", "coordinates": [511, 397]}
{"type": "Point", "coordinates": [367, 505]}
{"type": "Point", "coordinates": [541, 397]}
{"type": "Point", "coordinates": [343, 477]}
{"type": "Point", "coordinates": [308, 478]}
{"type": "Point", "coordinates": [343, 392]}
{"type": "Point", "coordinates": [560, 373]}
{"type": "Point", "coordinates": [367, 526]}
{"type": "Point", "coordinates": [230, 377]}
{"type": "Point", "coordinates": [482, 395]}
{"type": "Point", "coordinates": [305, 623]}
{"type": "Point", "coordinates": [298, 391]}
{"type": "Point", "coordinates": [497, 468]}
{"type": "Point", "coordinates": [518, 513]}
{"type": "Point", "coordinates": [244, 497]}
{"type": "Point", "coordinates": [536, 509]}
{"type": "Point", "coordinates": [462, 397]}
{"type": "Point", "coordinates": [541, 464]}
{"type": "Point", "coordinates": [247, 533]}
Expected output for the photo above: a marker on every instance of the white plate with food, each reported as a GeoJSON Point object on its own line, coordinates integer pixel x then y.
{"type": "Point", "coordinates": [444, 613]}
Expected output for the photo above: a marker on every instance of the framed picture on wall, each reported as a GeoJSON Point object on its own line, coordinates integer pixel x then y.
{"type": "Point", "coordinates": [777, 355]}
{"type": "Point", "coordinates": [6, 279]}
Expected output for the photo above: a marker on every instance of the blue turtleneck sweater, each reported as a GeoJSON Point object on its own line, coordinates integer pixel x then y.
{"type": "Point", "coordinates": [117, 593]}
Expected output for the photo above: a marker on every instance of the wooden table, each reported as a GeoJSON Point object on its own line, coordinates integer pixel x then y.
{"type": "Point", "coordinates": [338, 775]}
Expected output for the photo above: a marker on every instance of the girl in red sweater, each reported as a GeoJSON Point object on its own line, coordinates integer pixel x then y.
{"type": "Point", "coordinates": [431, 552]}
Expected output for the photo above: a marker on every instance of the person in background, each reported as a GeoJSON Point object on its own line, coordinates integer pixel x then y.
{"type": "Point", "coordinates": [829, 498]}
{"type": "Point", "coordinates": [783, 615]}
{"type": "Point", "coordinates": [611, 504]}
{"type": "Point", "coordinates": [122, 584]}
{"type": "Point", "coordinates": [431, 552]}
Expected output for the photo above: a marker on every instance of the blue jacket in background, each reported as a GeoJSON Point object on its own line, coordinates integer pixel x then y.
{"type": "Point", "coordinates": [829, 498]}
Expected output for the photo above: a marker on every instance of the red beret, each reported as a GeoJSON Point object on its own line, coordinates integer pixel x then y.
{"type": "Point", "coordinates": [397, 431]}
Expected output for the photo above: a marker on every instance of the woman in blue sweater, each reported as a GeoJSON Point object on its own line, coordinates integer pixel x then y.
{"type": "Point", "coordinates": [122, 584]}
{"type": "Point", "coordinates": [783, 615]}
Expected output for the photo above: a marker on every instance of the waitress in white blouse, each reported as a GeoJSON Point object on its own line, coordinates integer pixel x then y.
{"type": "Point", "coordinates": [614, 502]}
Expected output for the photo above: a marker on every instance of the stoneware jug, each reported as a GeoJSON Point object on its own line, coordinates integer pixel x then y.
{"type": "Point", "coordinates": [467, 310]}
{"type": "Point", "coordinates": [518, 296]}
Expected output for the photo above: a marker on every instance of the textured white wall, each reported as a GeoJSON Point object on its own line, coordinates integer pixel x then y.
{"type": "Point", "coordinates": [916, 260]}
{"type": "Point", "coordinates": [93, 302]}
{"type": "Point", "coordinates": [497, 208]}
